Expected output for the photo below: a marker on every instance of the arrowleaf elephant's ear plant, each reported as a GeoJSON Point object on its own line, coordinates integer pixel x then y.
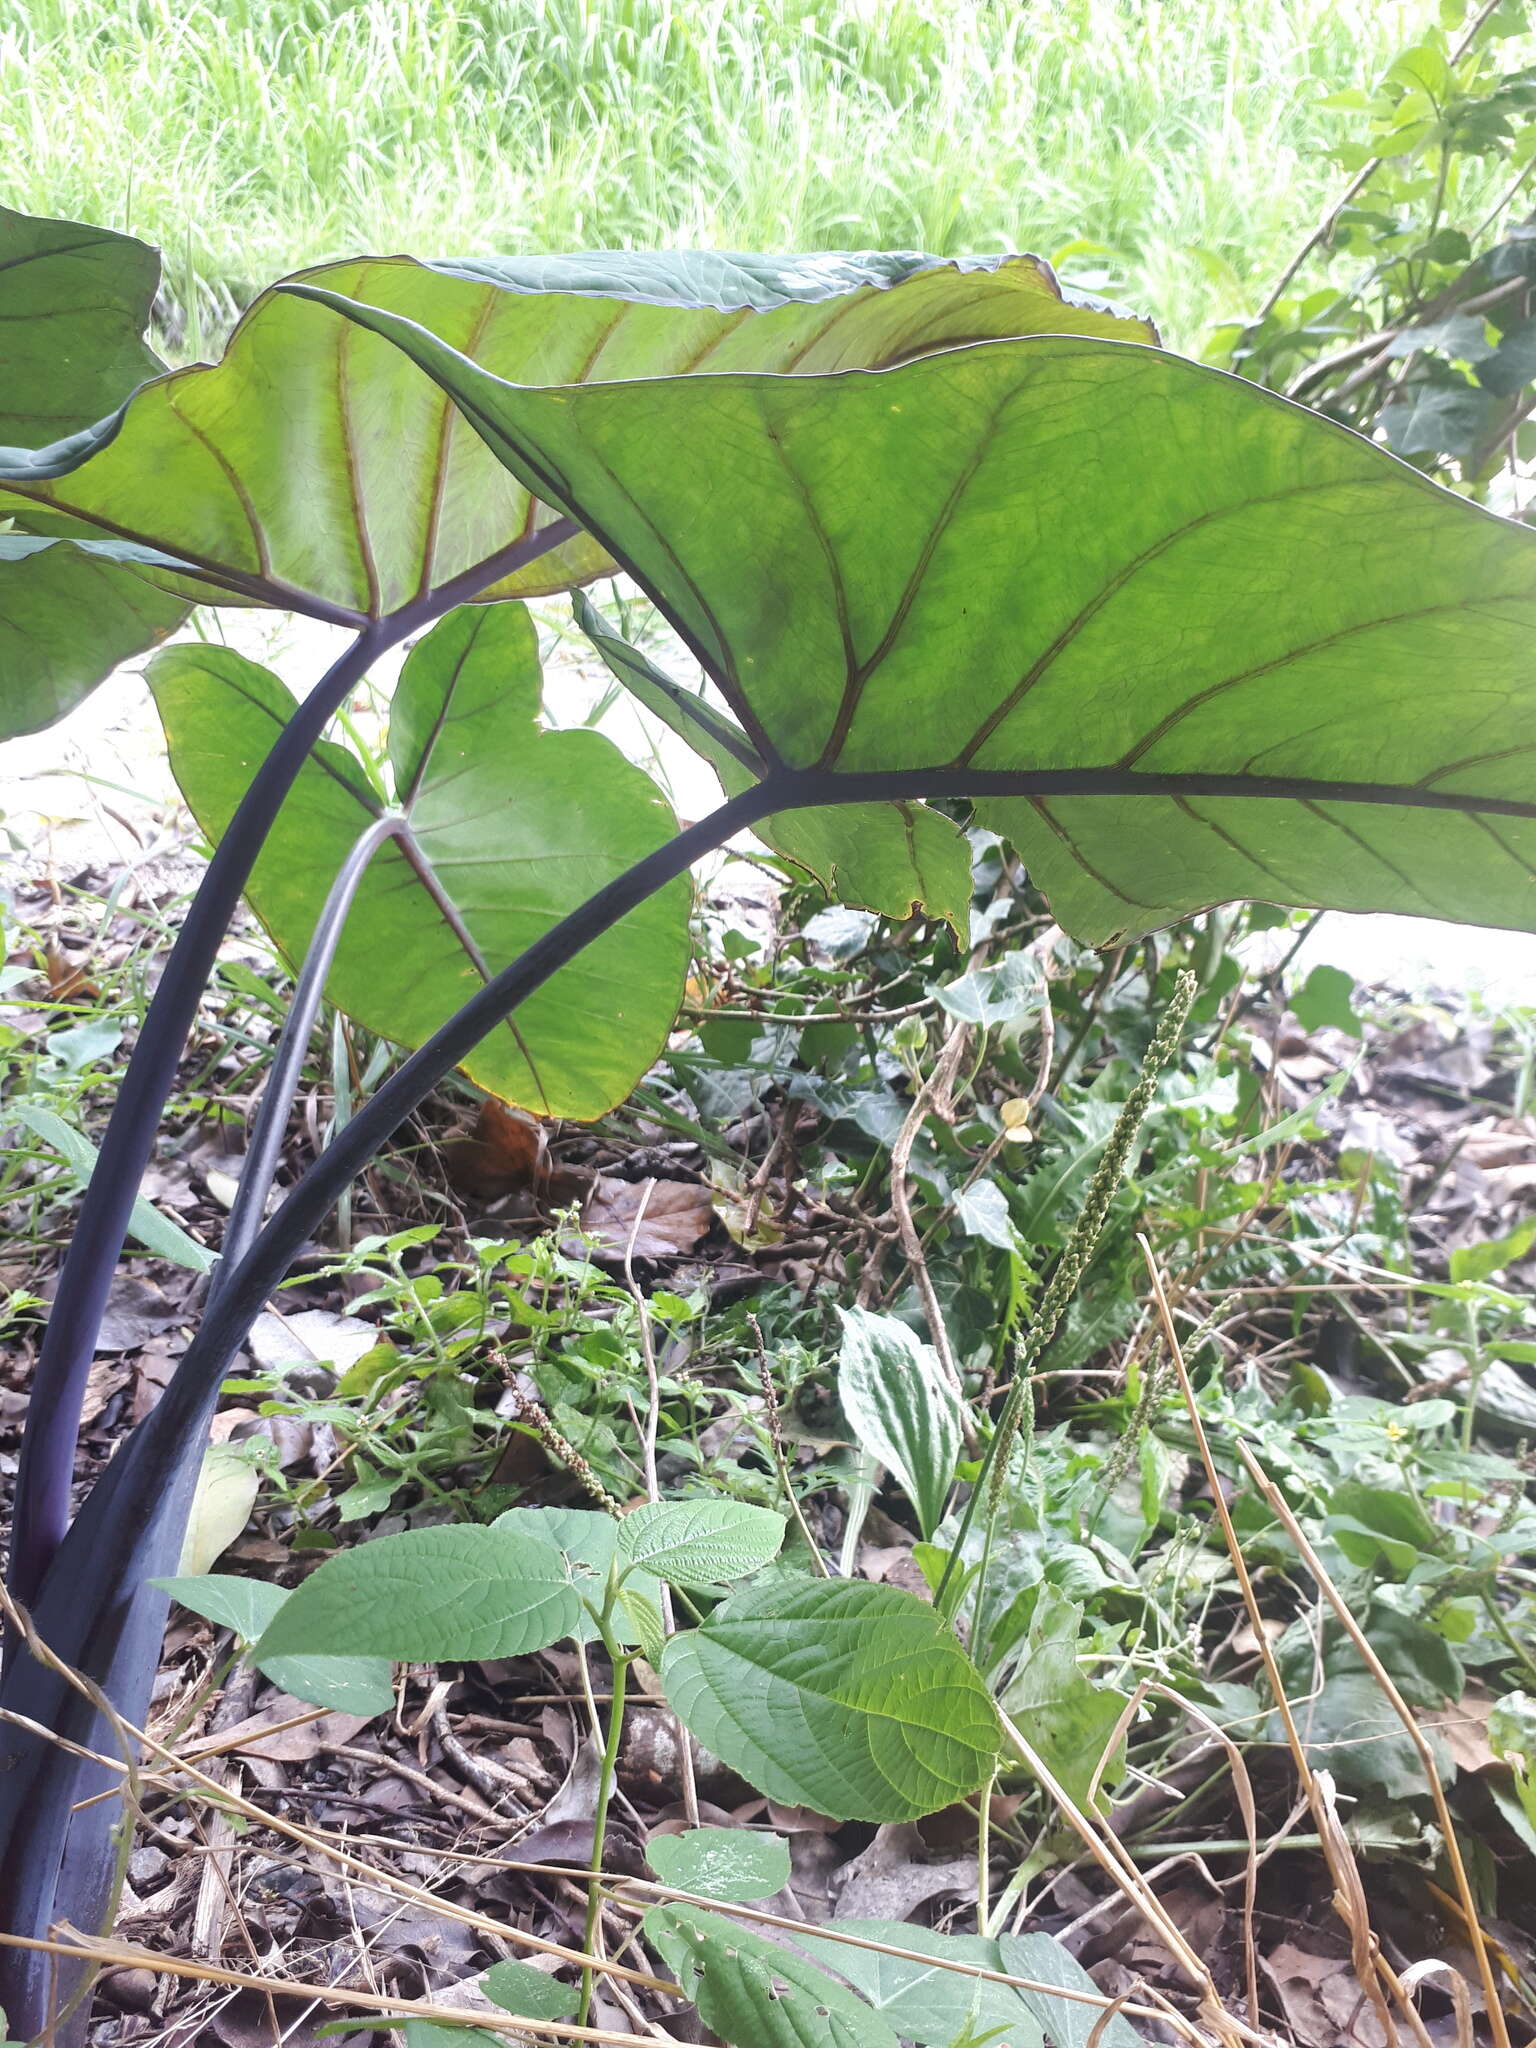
{"type": "Point", "coordinates": [932, 531]}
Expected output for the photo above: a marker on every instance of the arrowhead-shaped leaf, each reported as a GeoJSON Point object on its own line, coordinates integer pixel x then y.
{"type": "Point", "coordinates": [902, 1409]}
{"type": "Point", "coordinates": [1188, 641]}
{"type": "Point", "coordinates": [850, 1698]}
{"type": "Point", "coordinates": [700, 1543]}
{"type": "Point", "coordinates": [425, 1596]}
{"type": "Point", "coordinates": [505, 829]}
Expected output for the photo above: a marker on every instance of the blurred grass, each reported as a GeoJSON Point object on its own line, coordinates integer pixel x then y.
{"type": "Point", "coordinates": [1170, 150]}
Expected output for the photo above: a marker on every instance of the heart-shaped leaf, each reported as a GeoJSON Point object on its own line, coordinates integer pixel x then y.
{"type": "Point", "coordinates": [428, 1595]}
{"type": "Point", "coordinates": [732, 1864]}
{"type": "Point", "coordinates": [836, 1694]}
{"type": "Point", "coordinates": [503, 829]}
{"type": "Point", "coordinates": [902, 1409]}
{"type": "Point", "coordinates": [756, 1994]}
{"type": "Point", "coordinates": [700, 1543]}
{"type": "Point", "coordinates": [1187, 640]}
{"type": "Point", "coordinates": [315, 470]}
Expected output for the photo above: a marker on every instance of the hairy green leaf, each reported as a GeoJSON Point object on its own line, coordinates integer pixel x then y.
{"type": "Point", "coordinates": [589, 1542]}
{"type": "Point", "coordinates": [700, 1544]}
{"type": "Point", "coordinates": [902, 1409]}
{"type": "Point", "coordinates": [846, 1697]}
{"type": "Point", "coordinates": [754, 1993]}
{"type": "Point", "coordinates": [924, 2002]}
{"type": "Point", "coordinates": [1188, 641]}
{"type": "Point", "coordinates": [733, 1864]}
{"type": "Point", "coordinates": [503, 828]}
{"type": "Point", "coordinates": [427, 1595]}
{"type": "Point", "coordinates": [352, 1685]}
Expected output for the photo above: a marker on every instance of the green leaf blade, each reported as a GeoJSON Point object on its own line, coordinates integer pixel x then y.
{"type": "Point", "coordinates": [426, 1596]}
{"type": "Point", "coordinates": [850, 1698]}
{"type": "Point", "coordinates": [903, 1410]}
{"type": "Point", "coordinates": [700, 1545]}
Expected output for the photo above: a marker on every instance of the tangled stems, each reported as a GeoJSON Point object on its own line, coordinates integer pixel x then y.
{"type": "Point", "coordinates": [1064, 1281]}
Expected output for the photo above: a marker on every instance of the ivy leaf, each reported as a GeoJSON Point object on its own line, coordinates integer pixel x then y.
{"type": "Point", "coordinates": [733, 1864]}
{"type": "Point", "coordinates": [849, 1698]}
{"type": "Point", "coordinates": [756, 1994]}
{"type": "Point", "coordinates": [700, 1544]}
{"type": "Point", "coordinates": [901, 1408]}
{"type": "Point", "coordinates": [1183, 640]}
{"type": "Point", "coordinates": [503, 828]}
{"type": "Point", "coordinates": [1326, 997]}
{"type": "Point", "coordinates": [425, 1596]}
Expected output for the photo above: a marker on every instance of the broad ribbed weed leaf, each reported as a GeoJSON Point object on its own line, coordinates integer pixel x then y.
{"type": "Point", "coordinates": [923, 2001]}
{"type": "Point", "coordinates": [589, 1542]}
{"type": "Point", "coordinates": [1184, 640]}
{"type": "Point", "coordinates": [503, 829]}
{"type": "Point", "coordinates": [850, 1698]}
{"type": "Point", "coordinates": [901, 1408]}
{"type": "Point", "coordinates": [428, 1595]}
{"type": "Point", "coordinates": [756, 1994]}
{"type": "Point", "coordinates": [732, 1864]}
{"type": "Point", "coordinates": [353, 1685]}
{"type": "Point", "coordinates": [700, 1543]}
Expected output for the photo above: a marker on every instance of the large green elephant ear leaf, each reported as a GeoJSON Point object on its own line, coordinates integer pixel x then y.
{"type": "Point", "coordinates": [314, 469]}
{"type": "Point", "coordinates": [502, 829]}
{"type": "Point", "coordinates": [74, 302]}
{"type": "Point", "coordinates": [1186, 641]}
{"type": "Point", "coordinates": [895, 858]}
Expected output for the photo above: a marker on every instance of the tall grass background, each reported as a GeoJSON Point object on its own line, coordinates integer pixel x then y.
{"type": "Point", "coordinates": [1172, 150]}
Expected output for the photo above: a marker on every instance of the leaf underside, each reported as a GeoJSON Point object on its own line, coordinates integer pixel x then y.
{"type": "Point", "coordinates": [507, 829]}
{"type": "Point", "coordinates": [1186, 641]}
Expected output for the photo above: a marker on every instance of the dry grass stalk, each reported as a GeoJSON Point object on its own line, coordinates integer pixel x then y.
{"type": "Point", "coordinates": [1281, 1509]}
{"type": "Point", "coordinates": [1370, 1967]}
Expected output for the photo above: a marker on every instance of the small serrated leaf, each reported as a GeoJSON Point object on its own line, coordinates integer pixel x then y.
{"type": "Point", "coordinates": [700, 1544]}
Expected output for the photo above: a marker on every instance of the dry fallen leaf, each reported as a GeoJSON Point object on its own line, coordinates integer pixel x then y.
{"type": "Point", "coordinates": [673, 1215]}
{"type": "Point", "coordinates": [504, 1152]}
